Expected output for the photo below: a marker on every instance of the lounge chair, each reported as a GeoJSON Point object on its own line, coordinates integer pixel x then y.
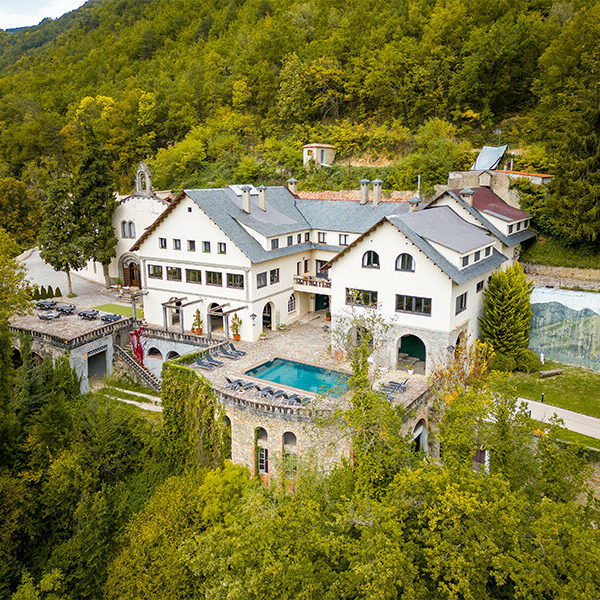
{"type": "Point", "coordinates": [227, 354]}
{"type": "Point", "coordinates": [268, 391]}
{"type": "Point", "coordinates": [235, 350]}
{"type": "Point", "coordinates": [203, 365]}
{"type": "Point", "coordinates": [248, 385]}
{"type": "Point", "coordinates": [305, 401]}
{"type": "Point", "coordinates": [209, 359]}
{"type": "Point", "coordinates": [397, 384]}
{"type": "Point", "coordinates": [233, 383]}
{"type": "Point", "coordinates": [294, 399]}
{"type": "Point", "coordinates": [279, 394]}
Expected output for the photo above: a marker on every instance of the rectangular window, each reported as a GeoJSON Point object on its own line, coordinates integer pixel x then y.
{"type": "Point", "coordinates": [155, 271]}
{"type": "Point", "coordinates": [173, 273]}
{"type": "Point", "coordinates": [510, 228]}
{"type": "Point", "coordinates": [479, 286]}
{"type": "Point", "coordinates": [518, 226]}
{"type": "Point", "coordinates": [274, 244]}
{"type": "Point", "coordinates": [465, 260]}
{"type": "Point", "coordinates": [526, 224]}
{"type": "Point", "coordinates": [307, 236]}
{"type": "Point", "coordinates": [306, 265]}
{"type": "Point", "coordinates": [477, 256]}
{"type": "Point", "coordinates": [413, 304]}
{"type": "Point", "coordinates": [263, 460]}
{"type": "Point", "coordinates": [176, 244]}
{"type": "Point", "coordinates": [193, 276]}
{"type": "Point", "coordinates": [361, 297]}
{"type": "Point", "coordinates": [343, 239]}
{"type": "Point", "coordinates": [290, 240]}
{"type": "Point", "coordinates": [214, 278]}
{"type": "Point", "coordinates": [299, 238]}
{"type": "Point", "coordinates": [162, 243]}
{"type": "Point", "coordinates": [261, 279]}
{"type": "Point", "coordinates": [274, 276]}
{"type": "Point", "coordinates": [488, 250]}
{"type": "Point", "coordinates": [235, 281]}
{"type": "Point", "coordinates": [191, 245]}
{"type": "Point", "coordinates": [205, 246]}
{"type": "Point", "coordinates": [461, 303]}
{"type": "Point", "coordinates": [298, 267]}
{"type": "Point", "coordinates": [321, 237]}
{"type": "Point", "coordinates": [320, 273]}
{"type": "Point", "coordinates": [222, 248]}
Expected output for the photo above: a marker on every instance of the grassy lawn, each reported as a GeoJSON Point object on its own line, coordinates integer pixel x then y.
{"type": "Point", "coordinates": [117, 309]}
{"type": "Point", "coordinates": [128, 384]}
{"type": "Point", "coordinates": [548, 251]}
{"type": "Point", "coordinates": [576, 389]}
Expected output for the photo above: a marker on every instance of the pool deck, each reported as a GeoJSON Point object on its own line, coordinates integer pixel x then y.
{"type": "Point", "coordinates": [305, 342]}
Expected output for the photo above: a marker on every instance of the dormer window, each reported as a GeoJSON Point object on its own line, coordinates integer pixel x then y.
{"type": "Point", "coordinates": [510, 229]}
{"type": "Point", "coordinates": [465, 260]}
{"type": "Point", "coordinates": [477, 256]}
{"type": "Point", "coordinates": [488, 250]}
{"type": "Point", "coordinates": [321, 237]}
{"type": "Point", "coordinates": [274, 244]}
{"type": "Point", "coordinates": [370, 260]}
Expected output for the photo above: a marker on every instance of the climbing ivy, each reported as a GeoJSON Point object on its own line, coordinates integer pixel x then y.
{"type": "Point", "coordinates": [194, 432]}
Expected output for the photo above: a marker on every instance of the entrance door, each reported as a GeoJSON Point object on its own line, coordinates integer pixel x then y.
{"type": "Point", "coordinates": [321, 302]}
{"type": "Point", "coordinates": [267, 316]}
{"type": "Point", "coordinates": [134, 275]}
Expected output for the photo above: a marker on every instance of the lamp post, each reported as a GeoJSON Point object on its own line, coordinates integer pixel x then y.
{"type": "Point", "coordinates": [253, 317]}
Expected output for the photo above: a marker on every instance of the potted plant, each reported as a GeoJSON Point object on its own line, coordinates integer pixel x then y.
{"type": "Point", "coordinates": [235, 327]}
{"type": "Point", "coordinates": [328, 316]}
{"type": "Point", "coordinates": [197, 324]}
{"type": "Point", "coordinates": [410, 370]}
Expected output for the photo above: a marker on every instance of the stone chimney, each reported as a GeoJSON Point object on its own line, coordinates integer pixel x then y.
{"type": "Point", "coordinates": [377, 183]}
{"type": "Point", "coordinates": [262, 197]}
{"type": "Point", "coordinates": [364, 191]}
{"type": "Point", "coordinates": [293, 185]}
{"type": "Point", "coordinates": [467, 195]}
{"type": "Point", "coordinates": [413, 203]}
{"type": "Point", "coordinates": [246, 198]}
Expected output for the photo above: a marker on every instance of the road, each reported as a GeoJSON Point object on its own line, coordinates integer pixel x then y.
{"type": "Point", "coordinates": [573, 421]}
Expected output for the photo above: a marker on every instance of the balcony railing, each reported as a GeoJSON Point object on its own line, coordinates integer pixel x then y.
{"type": "Point", "coordinates": [312, 281]}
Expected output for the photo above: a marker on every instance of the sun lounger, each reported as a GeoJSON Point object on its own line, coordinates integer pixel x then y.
{"type": "Point", "coordinates": [203, 365]}
{"type": "Point", "coordinates": [248, 385]}
{"type": "Point", "coordinates": [268, 391]}
{"type": "Point", "coordinates": [209, 359]}
{"type": "Point", "coordinates": [232, 383]}
{"type": "Point", "coordinates": [305, 401]}
{"type": "Point", "coordinates": [227, 354]}
{"type": "Point", "coordinates": [279, 394]}
{"type": "Point", "coordinates": [235, 350]}
{"type": "Point", "coordinates": [397, 384]}
{"type": "Point", "coordinates": [294, 399]}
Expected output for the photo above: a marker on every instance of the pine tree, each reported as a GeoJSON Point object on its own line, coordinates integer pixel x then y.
{"type": "Point", "coordinates": [507, 319]}
{"type": "Point", "coordinates": [94, 198]}
{"type": "Point", "coordinates": [60, 236]}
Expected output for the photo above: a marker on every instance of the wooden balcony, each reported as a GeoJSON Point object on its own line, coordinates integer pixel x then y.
{"type": "Point", "coordinates": [309, 283]}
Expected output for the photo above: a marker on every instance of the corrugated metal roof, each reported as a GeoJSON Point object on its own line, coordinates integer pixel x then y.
{"type": "Point", "coordinates": [489, 158]}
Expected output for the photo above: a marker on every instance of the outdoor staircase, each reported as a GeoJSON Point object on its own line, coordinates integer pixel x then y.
{"type": "Point", "coordinates": [144, 374]}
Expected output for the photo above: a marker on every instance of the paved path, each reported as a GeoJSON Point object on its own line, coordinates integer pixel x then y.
{"type": "Point", "coordinates": [573, 421]}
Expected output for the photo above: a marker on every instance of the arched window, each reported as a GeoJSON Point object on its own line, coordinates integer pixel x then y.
{"type": "Point", "coordinates": [371, 259]}
{"type": "Point", "coordinates": [124, 230]}
{"type": "Point", "coordinates": [290, 454]}
{"type": "Point", "coordinates": [262, 450]}
{"type": "Point", "coordinates": [405, 262]}
{"type": "Point", "coordinates": [155, 353]}
{"type": "Point", "coordinates": [131, 229]}
{"type": "Point", "coordinates": [292, 303]}
{"type": "Point", "coordinates": [289, 441]}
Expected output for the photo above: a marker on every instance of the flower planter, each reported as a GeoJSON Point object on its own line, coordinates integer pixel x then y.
{"type": "Point", "coordinates": [236, 337]}
{"type": "Point", "coordinates": [328, 318]}
{"type": "Point", "coordinates": [410, 371]}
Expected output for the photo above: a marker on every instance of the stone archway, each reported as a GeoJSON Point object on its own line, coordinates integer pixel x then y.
{"type": "Point", "coordinates": [412, 353]}
{"type": "Point", "coordinates": [419, 437]}
{"type": "Point", "coordinates": [130, 271]}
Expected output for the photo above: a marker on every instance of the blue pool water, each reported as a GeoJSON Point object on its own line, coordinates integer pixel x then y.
{"type": "Point", "coordinates": [302, 376]}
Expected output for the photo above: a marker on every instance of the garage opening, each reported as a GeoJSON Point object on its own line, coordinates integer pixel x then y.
{"type": "Point", "coordinates": [97, 365]}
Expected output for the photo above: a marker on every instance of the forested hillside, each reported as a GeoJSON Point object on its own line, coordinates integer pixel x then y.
{"type": "Point", "coordinates": [224, 90]}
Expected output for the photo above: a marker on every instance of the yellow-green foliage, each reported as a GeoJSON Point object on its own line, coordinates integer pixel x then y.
{"type": "Point", "coordinates": [193, 431]}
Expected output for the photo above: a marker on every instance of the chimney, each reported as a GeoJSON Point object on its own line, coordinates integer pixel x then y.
{"type": "Point", "coordinates": [467, 195]}
{"type": "Point", "coordinates": [293, 186]}
{"type": "Point", "coordinates": [364, 191]}
{"type": "Point", "coordinates": [377, 183]}
{"type": "Point", "coordinates": [262, 197]}
{"type": "Point", "coordinates": [413, 203]}
{"type": "Point", "coordinates": [246, 198]}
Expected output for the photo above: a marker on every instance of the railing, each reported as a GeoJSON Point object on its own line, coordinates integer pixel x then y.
{"type": "Point", "coordinates": [312, 281]}
{"type": "Point", "coordinates": [61, 342]}
{"type": "Point", "coordinates": [150, 380]}
{"type": "Point", "coordinates": [176, 336]}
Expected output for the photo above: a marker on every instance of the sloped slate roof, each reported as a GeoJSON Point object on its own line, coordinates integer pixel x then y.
{"type": "Point", "coordinates": [350, 217]}
{"type": "Point", "coordinates": [485, 200]}
{"type": "Point", "coordinates": [489, 158]}
{"type": "Point", "coordinates": [442, 225]}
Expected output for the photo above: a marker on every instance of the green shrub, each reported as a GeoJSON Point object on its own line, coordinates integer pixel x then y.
{"type": "Point", "coordinates": [35, 293]}
{"type": "Point", "coordinates": [503, 362]}
{"type": "Point", "coordinates": [57, 293]}
{"type": "Point", "coordinates": [528, 361]}
{"type": "Point", "coordinates": [49, 292]}
{"type": "Point", "coordinates": [43, 293]}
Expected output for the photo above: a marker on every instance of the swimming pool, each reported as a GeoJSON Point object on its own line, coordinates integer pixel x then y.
{"type": "Point", "coordinates": [302, 376]}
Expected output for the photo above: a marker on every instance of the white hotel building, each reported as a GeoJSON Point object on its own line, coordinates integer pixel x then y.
{"type": "Point", "coordinates": [261, 252]}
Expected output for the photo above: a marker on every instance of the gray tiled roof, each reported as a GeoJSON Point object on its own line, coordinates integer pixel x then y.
{"type": "Point", "coordinates": [457, 275]}
{"type": "Point", "coordinates": [442, 225]}
{"type": "Point", "coordinates": [349, 217]}
{"type": "Point", "coordinates": [509, 241]}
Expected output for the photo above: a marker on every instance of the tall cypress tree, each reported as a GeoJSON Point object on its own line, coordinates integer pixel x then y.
{"type": "Point", "coordinates": [93, 195]}
{"type": "Point", "coordinates": [507, 319]}
{"type": "Point", "coordinates": [61, 243]}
